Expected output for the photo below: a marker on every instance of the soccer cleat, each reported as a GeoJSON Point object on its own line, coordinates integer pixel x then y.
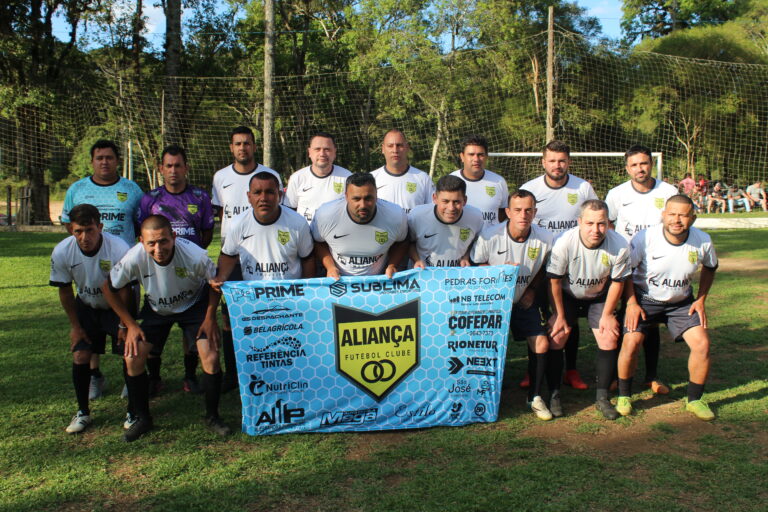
{"type": "Point", "coordinates": [555, 407]}
{"type": "Point", "coordinates": [139, 427]}
{"type": "Point", "coordinates": [124, 393]}
{"type": "Point", "coordinates": [79, 423]}
{"type": "Point", "coordinates": [192, 386]}
{"type": "Point", "coordinates": [700, 408]}
{"type": "Point", "coordinates": [658, 387]}
{"type": "Point", "coordinates": [217, 426]}
{"type": "Point", "coordinates": [130, 419]}
{"type": "Point", "coordinates": [526, 382]}
{"type": "Point", "coordinates": [573, 379]}
{"type": "Point", "coordinates": [155, 387]}
{"type": "Point", "coordinates": [96, 388]}
{"type": "Point", "coordinates": [540, 409]}
{"type": "Point", "coordinates": [606, 408]}
{"type": "Point", "coordinates": [623, 406]}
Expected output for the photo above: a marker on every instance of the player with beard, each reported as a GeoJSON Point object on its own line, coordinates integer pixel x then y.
{"type": "Point", "coordinates": [486, 190]}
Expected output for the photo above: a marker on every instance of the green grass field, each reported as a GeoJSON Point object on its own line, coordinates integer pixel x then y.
{"type": "Point", "coordinates": [659, 459]}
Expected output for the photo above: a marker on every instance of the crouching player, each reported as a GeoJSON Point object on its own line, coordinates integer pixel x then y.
{"type": "Point", "coordinates": [520, 242]}
{"type": "Point", "coordinates": [587, 270]}
{"type": "Point", "coordinates": [174, 273]}
{"type": "Point", "coordinates": [665, 258]}
{"type": "Point", "coordinates": [86, 258]}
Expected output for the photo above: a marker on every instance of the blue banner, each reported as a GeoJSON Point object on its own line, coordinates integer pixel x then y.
{"type": "Point", "coordinates": [423, 349]}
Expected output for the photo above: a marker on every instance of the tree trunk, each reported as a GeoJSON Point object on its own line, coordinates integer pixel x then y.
{"type": "Point", "coordinates": [172, 69]}
{"type": "Point", "coordinates": [269, 70]}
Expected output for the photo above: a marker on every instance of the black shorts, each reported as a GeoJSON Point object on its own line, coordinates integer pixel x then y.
{"type": "Point", "coordinates": [156, 327]}
{"type": "Point", "coordinates": [591, 309]}
{"type": "Point", "coordinates": [674, 315]}
{"type": "Point", "coordinates": [528, 322]}
{"type": "Point", "coordinates": [97, 324]}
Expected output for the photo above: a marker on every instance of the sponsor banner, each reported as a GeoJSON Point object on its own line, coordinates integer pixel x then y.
{"type": "Point", "coordinates": [423, 349]}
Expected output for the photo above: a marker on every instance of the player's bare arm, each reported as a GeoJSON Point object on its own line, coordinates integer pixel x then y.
{"type": "Point", "coordinates": [324, 255]}
{"type": "Point", "coordinates": [206, 236]}
{"type": "Point", "coordinates": [396, 254]}
{"type": "Point", "coordinates": [705, 283]}
{"type": "Point", "coordinates": [308, 267]}
{"type": "Point", "coordinates": [76, 331]}
{"type": "Point", "coordinates": [134, 335]}
{"type": "Point", "coordinates": [209, 329]}
{"type": "Point", "coordinates": [634, 312]}
{"type": "Point", "coordinates": [413, 253]}
{"type": "Point", "coordinates": [526, 300]}
{"type": "Point", "coordinates": [558, 327]}
{"type": "Point", "coordinates": [608, 321]}
{"type": "Point", "coordinates": [225, 265]}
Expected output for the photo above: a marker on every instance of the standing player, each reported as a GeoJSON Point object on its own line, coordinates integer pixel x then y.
{"type": "Point", "coordinates": [360, 234]}
{"type": "Point", "coordinates": [189, 210]}
{"type": "Point", "coordinates": [665, 258]}
{"type": "Point", "coordinates": [486, 190]}
{"type": "Point", "coordinates": [86, 258]}
{"type": "Point", "coordinates": [117, 199]}
{"type": "Point", "coordinates": [397, 181]}
{"type": "Point", "coordinates": [441, 233]}
{"type": "Point", "coordinates": [271, 241]}
{"type": "Point", "coordinates": [633, 206]}
{"type": "Point", "coordinates": [318, 183]}
{"type": "Point", "coordinates": [587, 270]}
{"type": "Point", "coordinates": [519, 242]}
{"type": "Point", "coordinates": [174, 273]}
{"type": "Point", "coordinates": [559, 196]}
{"type": "Point", "coordinates": [230, 187]}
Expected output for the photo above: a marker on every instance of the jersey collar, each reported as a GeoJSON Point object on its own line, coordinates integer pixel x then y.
{"type": "Point", "coordinates": [632, 184]}
{"type": "Point", "coordinates": [95, 251]}
{"type": "Point", "coordinates": [465, 177]}
{"type": "Point", "coordinates": [279, 214]}
{"type": "Point", "coordinates": [333, 168]}
{"type": "Point", "coordinates": [434, 210]}
{"type": "Point", "coordinates": [396, 175]}
{"type": "Point", "coordinates": [375, 212]}
{"type": "Point", "coordinates": [105, 184]}
{"type": "Point", "coordinates": [546, 183]}
{"type": "Point", "coordinates": [506, 230]}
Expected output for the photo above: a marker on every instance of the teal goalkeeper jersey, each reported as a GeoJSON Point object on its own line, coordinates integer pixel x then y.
{"type": "Point", "coordinates": [117, 203]}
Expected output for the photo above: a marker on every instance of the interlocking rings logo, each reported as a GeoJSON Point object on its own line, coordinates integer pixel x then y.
{"type": "Point", "coordinates": [378, 371]}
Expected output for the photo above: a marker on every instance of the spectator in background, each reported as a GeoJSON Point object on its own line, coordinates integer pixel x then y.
{"type": "Point", "coordinates": [717, 198]}
{"type": "Point", "coordinates": [756, 193]}
{"type": "Point", "coordinates": [737, 197]}
{"type": "Point", "coordinates": [687, 185]}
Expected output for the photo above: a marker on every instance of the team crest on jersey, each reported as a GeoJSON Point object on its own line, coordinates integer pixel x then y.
{"type": "Point", "coordinates": [410, 186]}
{"type": "Point", "coordinates": [693, 256]}
{"type": "Point", "coordinates": [181, 272]}
{"type": "Point", "coordinates": [105, 265]}
{"type": "Point", "coordinates": [283, 237]}
{"type": "Point", "coordinates": [491, 191]}
{"type": "Point", "coordinates": [192, 208]}
{"type": "Point", "coordinates": [605, 260]}
{"type": "Point", "coordinates": [382, 237]}
{"type": "Point", "coordinates": [533, 252]}
{"type": "Point", "coordinates": [659, 203]}
{"type": "Point", "coordinates": [464, 234]}
{"type": "Point", "coordinates": [338, 187]}
{"type": "Point", "coordinates": [572, 198]}
{"type": "Point", "coordinates": [122, 196]}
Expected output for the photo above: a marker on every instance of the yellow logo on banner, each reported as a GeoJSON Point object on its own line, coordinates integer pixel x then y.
{"type": "Point", "coordinates": [382, 237]}
{"type": "Point", "coordinates": [375, 352]}
{"type": "Point", "coordinates": [283, 237]}
{"type": "Point", "coordinates": [122, 196]}
{"type": "Point", "coordinates": [105, 265]}
{"type": "Point", "coordinates": [533, 252]}
{"type": "Point", "coordinates": [464, 234]}
{"type": "Point", "coordinates": [693, 256]}
{"type": "Point", "coordinates": [491, 191]}
{"type": "Point", "coordinates": [572, 198]}
{"type": "Point", "coordinates": [338, 187]}
{"type": "Point", "coordinates": [605, 260]}
{"type": "Point", "coordinates": [192, 208]}
{"type": "Point", "coordinates": [181, 272]}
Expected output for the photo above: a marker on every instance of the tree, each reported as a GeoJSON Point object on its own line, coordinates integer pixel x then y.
{"type": "Point", "coordinates": [657, 18]}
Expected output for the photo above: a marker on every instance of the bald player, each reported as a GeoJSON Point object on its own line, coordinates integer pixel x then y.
{"type": "Point", "coordinates": [486, 190]}
{"type": "Point", "coordinates": [397, 181]}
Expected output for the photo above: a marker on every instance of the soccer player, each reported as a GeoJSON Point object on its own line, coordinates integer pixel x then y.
{"type": "Point", "coordinates": [559, 196]}
{"type": "Point", "coordinates": [633, 206]}
{"type": "Point", "coordinates": [117, 200]}
{"type": "Point", "coordinates": [587, 270]}
{"type": "Point", "coordinates": [665, 258]}
{"type": "Point", "coordinates": [397, 181]}
{"type": "Point", "coordinates": [360, 234]}
{"type": "Point", "coordinates": [174, 273]}
{"type": "Point", "coordinates": [486, 190]}
{"type": "Point", "coordinates": [270, 241]}
{"type": "Point", "coordinates": [442, 232]}
{"type": "Point", "coordinates": [519, 242]}
{"type": "Point", "coordinates": [190, 212]}
{"type": "Point", "coordinates": [230, 198]}
{"type": "Point", "coordinates": [86, 258]}
{"type": "Point", "coordinates": [319, 182]}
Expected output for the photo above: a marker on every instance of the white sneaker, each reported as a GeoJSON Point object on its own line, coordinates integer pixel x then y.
{"type": "Point", "coordinates": [79, 423]}
{"type": "Point", "coordinates": [539, 407]}
{"type": "Point", "coordinates": [130, 419]}
{"type": "Point", "coordinates": [96, 389]}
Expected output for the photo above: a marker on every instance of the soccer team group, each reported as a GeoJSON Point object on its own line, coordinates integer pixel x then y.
{"type": "Point", "coordinates": [626, 263]}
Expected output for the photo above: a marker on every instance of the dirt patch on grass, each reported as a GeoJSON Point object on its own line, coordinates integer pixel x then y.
{"type": "Point", "coordinates": [366, 444]}
{"type": "Point", "coordinates": [742, 264]}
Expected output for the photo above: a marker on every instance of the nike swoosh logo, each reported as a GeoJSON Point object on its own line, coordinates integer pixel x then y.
{"type": "Point", "coordinates": [227, 185]}
{"type": "Point", "coordinates": [656, 257]}
{"type": "Point", "coordinates": [249, 236]}
{"type": "Point", "coordinates": [625, 204]}
{"type": "Point", "coordinates": [76, 264]}
{"type": "Point", "coordinates": [305, 189]}
{"type": "Point", "coordinates": [500, 252]}
{"type": "Point", "coordinates": [340, 236]}
{"type": "Point", "coordinates": [377, 188]}
{"type": "Point", "coordinates": [148, 275]}
{"type": "Point", "coordinates": [540, 200]}
{"type": "Point", "coordinates": [430, 236]}
{"type": "Point", "coordinates": [574, 259]}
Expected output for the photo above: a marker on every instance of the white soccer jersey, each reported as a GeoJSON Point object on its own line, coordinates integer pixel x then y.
{"type": "Point", "coordinates": [230, 193]}
{"type": "Point", "coordinates": [587, 272]}
{"type": "Point", "coordinates": [632, 211]}
{"type": "Point", "coordinates": [360, 249]}
{"type": "Point", "coordinates": [440, 244]}
{"type": "Point", "coordinates": [307, 191]}
{"type": "Point", "coordinates": [663, 271]}
{"type": "Point", "coordinates": [558, 208]}
{"type": "Point", "coordinates": [407, 190]}
{"type": "Point", "coordinates": [69, 263]}
{"type": "Point", "coordinates": [495, 247]}
{"type": "Point", "coordinates": [270, 251]}
{"type": "Point", "coordinates": [171, 288]}
{"type": "Point", "coordinates": [489, 194]}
